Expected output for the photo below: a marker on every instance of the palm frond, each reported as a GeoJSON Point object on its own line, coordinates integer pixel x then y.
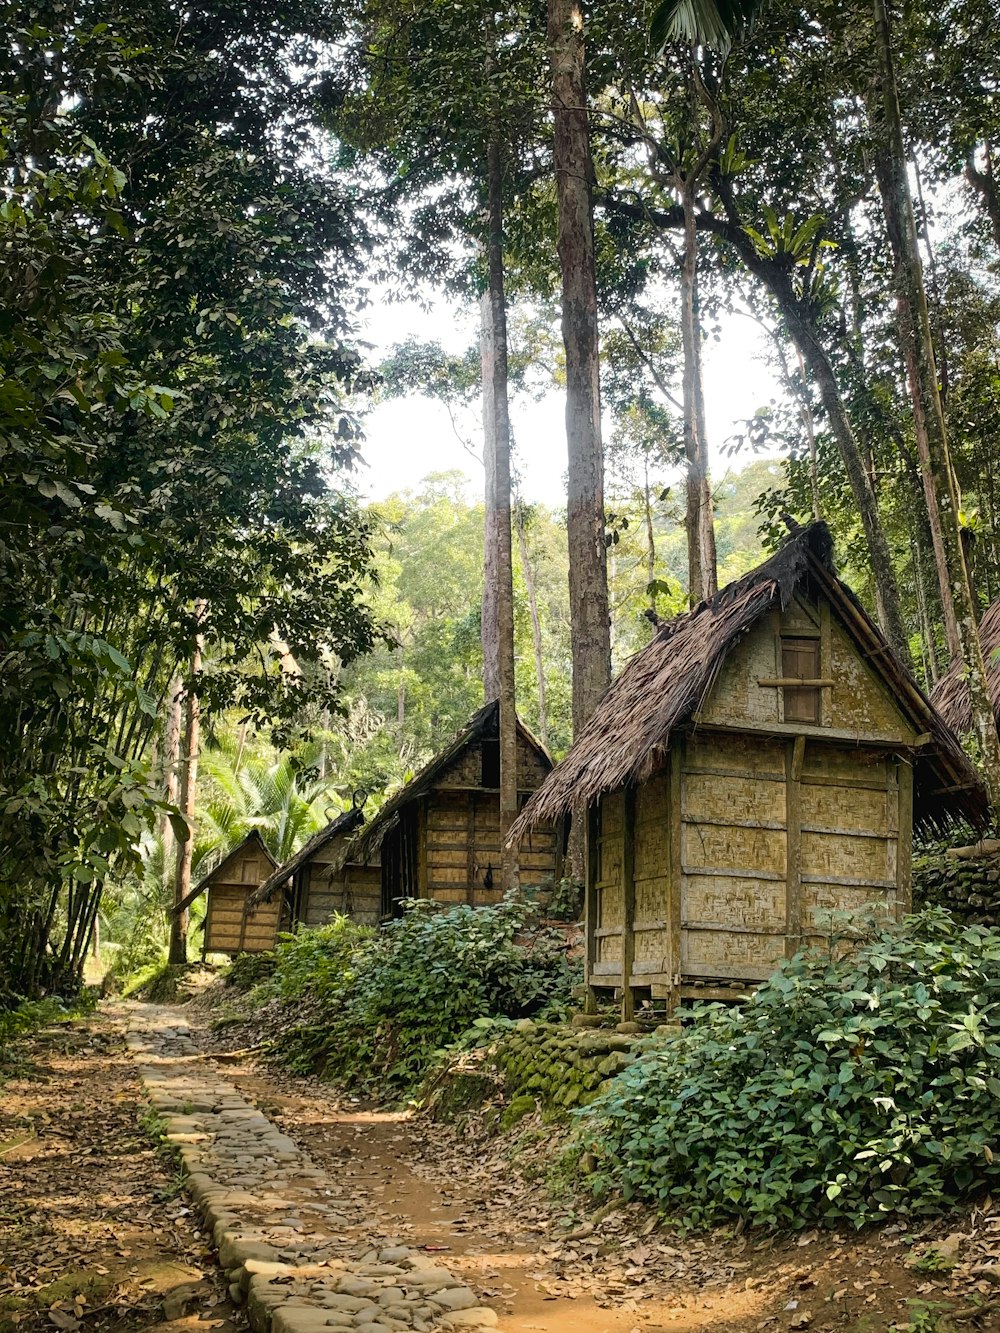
{"type": "Point", "coordinates": [714, 23]}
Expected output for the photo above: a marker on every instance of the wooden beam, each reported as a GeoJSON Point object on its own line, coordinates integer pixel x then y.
{"type": "Point", "coordinates": [628, 901]}
{"type": "Point", "coordinates": [777, 682]}
{"type": "Point", "coordinates": [904, 845]}
{"type": "Point", "coordinates": [749, 774]}
{"type": "Point", "coordinates": [848, 832]}
{"type": "Point", "coordinates": [726, 872]}
{"type": "Point", "coordinates": [784, 729]}
{"type": "Point", "coordinates": [699, 821]}
{"type": "Point", "coordinates": [848, 881]}
{"type": "Point", "coordinates": [793, 845]}
{"type": "Point", "coordinates": [723, 928]}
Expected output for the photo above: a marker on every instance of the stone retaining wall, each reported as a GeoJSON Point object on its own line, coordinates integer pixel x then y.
{"type": "Point", "coordinates": [272, 1214]}
{"type": "Point", "coordinates": [559, 1067]}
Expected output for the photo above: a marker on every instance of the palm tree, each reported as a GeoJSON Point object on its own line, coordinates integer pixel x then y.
{"type": "Point", "coordinates": [714, 23]}
{"type": "Point", "coordinates": [244, 791]}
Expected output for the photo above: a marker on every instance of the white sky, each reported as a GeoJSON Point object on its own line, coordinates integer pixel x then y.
{"type": "Point", "coordinates": [407, 438]}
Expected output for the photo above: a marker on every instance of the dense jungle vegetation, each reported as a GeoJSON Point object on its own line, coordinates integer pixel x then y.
{"type": "Point", "coordinates": [196, 206]}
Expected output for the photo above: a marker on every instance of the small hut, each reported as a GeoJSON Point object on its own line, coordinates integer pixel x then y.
{"type": "Point", "coordinates": [755, 769]}
{"type": "Point", "coordinates": [439, 836]}
{"type": "Point", "coordinates": [950, 696]}
{"type": "Point", "coordinates": [231, 926]}
{"type": "Point", "coordinates": [320, 879]}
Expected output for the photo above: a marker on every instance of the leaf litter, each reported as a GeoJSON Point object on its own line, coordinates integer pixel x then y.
{"type": "Point", "coordinates": [95, 1232]}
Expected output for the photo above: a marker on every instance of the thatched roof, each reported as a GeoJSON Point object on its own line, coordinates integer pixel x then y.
{"type": "Point", "coordinates": [663, 686]}
{"type": "Point", "coordinates": [253, 839]}
{"type": "Point", "coordinates": [343, 826]}
{"type": "Point", "coordinates": [484, 725]}
{"type": "Point", "coordinates": [950, 696]}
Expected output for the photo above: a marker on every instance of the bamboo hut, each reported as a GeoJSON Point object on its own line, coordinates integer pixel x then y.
{"type": "Point", "coordinates": [439, 836]}
{"type": "Point", "coordinates": [759, 766]}
{"type": "Point", "coordinates": [231, 926]}
{"type": "Point", "coordinates": [950, 695]}
{"type": "Point", "coordinates": [321, 879]}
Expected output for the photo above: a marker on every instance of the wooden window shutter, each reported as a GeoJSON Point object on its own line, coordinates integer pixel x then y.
{"type": "Point", "coordinates": [800, 661]}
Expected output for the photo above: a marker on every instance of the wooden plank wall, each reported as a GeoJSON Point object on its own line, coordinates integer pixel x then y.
{"type": "Point", "coordinates": [353, 890]}
{"type": "Point", "coordinates": [227, 930]}
{"type": "Point", "coordinates": [463, 842]}
{"type": "Point", "coordinates": [461, 831]}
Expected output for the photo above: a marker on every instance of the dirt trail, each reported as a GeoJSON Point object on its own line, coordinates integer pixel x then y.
{"type": "Point", "coordinates": [370, 1150]}
{"type": "Point", "coordinates": [440, 1194]}
{"type": "Point", "coordinates": [95, 1231]}
{"type": "Point", "coordinates": [95, 1236]}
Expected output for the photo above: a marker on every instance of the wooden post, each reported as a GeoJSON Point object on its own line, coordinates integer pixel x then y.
{"type": "Point", "coordinates": [674, 904]}
{"type": "Point", "coordinates": [470, 850]}
{"type": "Point", "coordinates": [794, 755]}
{"type": "Point", "coordinates": [590, 912]}
{"type": "Point", "coordinates": [628, 903]}
{"type": "Point", "coordinates": [904, 843]}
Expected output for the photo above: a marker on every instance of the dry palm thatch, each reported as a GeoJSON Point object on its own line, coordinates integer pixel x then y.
{"type": "Point", "coordinates": [950, 696]}
{"type": "Point", "coordinates": [662, 687]}
{"type": "Point", "coordinates": [484, 724]}
{"type": "Point", "coordinates": [343, 825]}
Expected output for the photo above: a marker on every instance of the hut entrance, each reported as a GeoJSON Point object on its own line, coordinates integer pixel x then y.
{"type": "Point", "coordinates": [401, 863]}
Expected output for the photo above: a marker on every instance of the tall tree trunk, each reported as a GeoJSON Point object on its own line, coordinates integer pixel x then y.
{"type": "Point", "coordinates": [805, 411]}
{"type": "Point", "coordinates": [985, 184]}
{"type": "Point", "coordinates": [490, 614]}
{"type": "Point", "coordinates": [496, 419]}
{"type": "Point", "coordinates": [647, 504]}
{"type": "Point", "coordinates": [804, 335]}
{"type": "Point", "coordinates": [702, 572]}
{"type": "Point", "coordinates": [171, 759]}
{"type": "Point", "coordinates": [928, 414]}
{"type": "Point", "coordinates": [815, 356]}
{"type": "Point", "coordinates": [928, 646]}
{"type": "Point", "coordinates": [588, 579]}
{"type": "Point", "coordinates": [189, 779]}
{"type": "Point", "coordinates": [400, 694]}
{"type": "Point", "coordinates": [536, 623]}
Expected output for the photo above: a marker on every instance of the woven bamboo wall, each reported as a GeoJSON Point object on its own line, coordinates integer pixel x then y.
{"type": "Point", "coordinates": [463, 843]}
{"type": "Point", "coordinates": [227, 930]}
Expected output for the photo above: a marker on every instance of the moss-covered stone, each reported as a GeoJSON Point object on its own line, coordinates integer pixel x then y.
{"type": "Point", "coordinates": [520, 1107]}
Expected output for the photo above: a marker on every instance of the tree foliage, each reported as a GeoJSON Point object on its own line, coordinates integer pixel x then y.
{"type": "Point", "coordinates": [174, 405]}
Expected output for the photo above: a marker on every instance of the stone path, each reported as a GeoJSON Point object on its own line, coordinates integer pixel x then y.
{"type": "Point", "coordinates": [280, 1236]}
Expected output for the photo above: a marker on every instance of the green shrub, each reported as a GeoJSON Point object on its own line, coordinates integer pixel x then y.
{"type": "Point", "coordinates": [320, 962]}
{"type": "Point", "coordinates": [388, 1002]}
{"type": "Point", "coordinates": [845, 1091]}
{"type": "Point", "coordinates": [28, 1016]}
